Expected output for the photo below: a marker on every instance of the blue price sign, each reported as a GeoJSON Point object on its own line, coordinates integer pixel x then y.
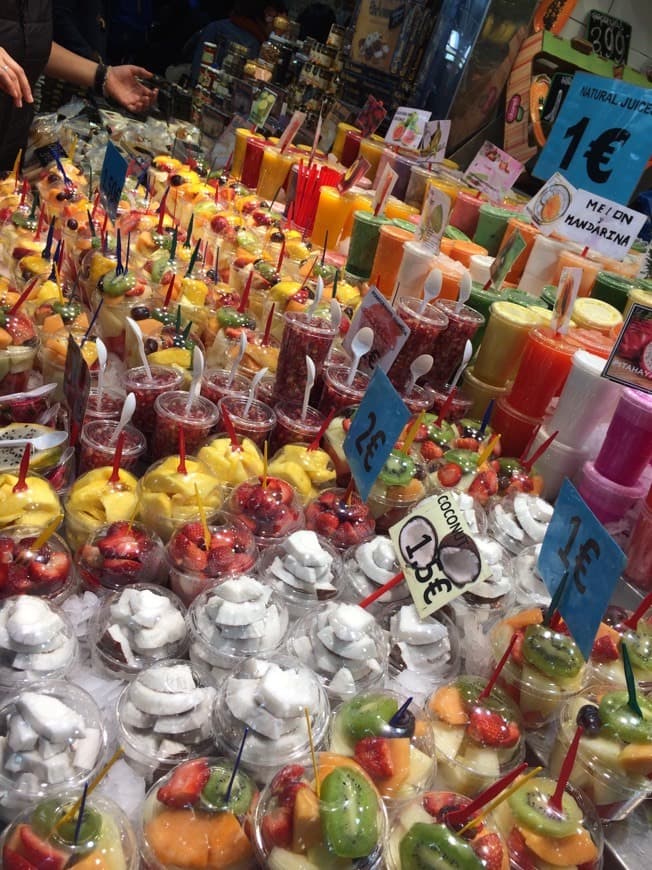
{"type": "Point", "coordinates": [578, 552]}
{"type": "Point", "coordinates": [112, 180]}
{"type": "Point", "coordinates": [601, 138]}
{"type": "Point", "coordinates": [376, 426]}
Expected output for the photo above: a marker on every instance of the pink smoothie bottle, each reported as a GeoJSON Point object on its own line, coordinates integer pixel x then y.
{"type": "Point", "coordinates": [627, 447]}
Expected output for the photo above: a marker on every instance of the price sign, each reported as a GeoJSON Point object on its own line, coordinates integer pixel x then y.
{"type": "Point", "coordinates": [601, 138]}
{"type": "Point", "coordinates": [437, 553]}
{"type": "Point", "coordinates": [578, 551]}
{"type": "Point", "coordinates": [493, 171]}
{"type": "Point", "coordinates": [112, 180]}
{"type": "Point", "coordinates": [434, 218]}
{"type": "Point", "coordinates": [609, 36]}
{"type": "Point", "coordinates": [407, 127]}
{"type": "Point", "coordinates": [505, 259]}
{"type": "Point", "coordinates": [377, 424]}
{"type": "Point", "coordinates": [76, 387]}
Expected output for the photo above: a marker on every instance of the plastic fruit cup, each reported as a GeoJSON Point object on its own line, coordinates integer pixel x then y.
{"type": "Point", "coordinates": [232, 551]}
{"type": "Point", "coordinates": [255, 422]}
{"type": "Point", "coordinates": [147, 390]}
{"type": "Point", "coordinates": [155, 740]}
{"type": "Point", "coordinates": [296, 593]}
{"type": "Point", "coordinates": [18, 791]}
{"type": "Point", "coordinates": [105, 838]}
{"type": "Point", "coordinates": [614, 785]}
{"type": "Point", "coordinates": [605, 663]}
{"type": "Point", "coordinates": [291, 428]}
{"type": "Point", "coordinates": [337, 392]}
{"type": "Point", "coordinates": [265, 748]}
{"type": "Point", "coordinates": [419, 399]}
{"type": "Point", "coordinates": [471, 754]}
{"type": "Point", "coordinates": [343, 522]}
{"type": "Point", "coordinates": [39, 642]}
{"type": "Point", "coordinates": [16, 365]}
{"type": "Point", "coordinates": [530, 586]}
{"type": "Point", "coordinates": [303, 335]}
{"type": "Point", "coordinates": [120, 554]}
{"type": "Point", "coordinates": [539, 695]}
{"type": "Point", "coordinates": [107, 406]}
{"type": "Point", "coordinates": [22, 410]}
{"type": "Point", "coordinates": [389, 504]}
{"type": "Point", "coordinates": [370, 715]}
{"type": "Point", "coordinates": [47, 573]}
{"type": "Point", "coordinates": [426, 323]}
{"type": "Point", "coordinates": [459, 407]}
{"type": "Point", "coordinates": [270, 509]}
{"type": "Point", "coordinates": [448, 349]}
{"type": "Point", "coordinates": [369, 565]}
{"type": "Point", "coordinates": [330, 841]}
{"type": "Point", "coordinates": [217, 383]}
{"type": "Point", "coordinates": [218, 647]}
{"type": "Point", "coordinates": [128, 630]}
{"type": "Point", "coordinates": [98, 445]}
{"type": "Point", "coordinates": [175, 411]}
{"type": "Point", "coordinates": [175, 828]}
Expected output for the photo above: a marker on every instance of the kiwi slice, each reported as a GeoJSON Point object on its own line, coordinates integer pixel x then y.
{"type": "Point", "coordinates": [437, 847]}
{"type": "Point", "coordinates": [619, 720]}
{"type": "Point", "coordinates": [639, 647]}
{"type": "Point", "coordinates": [509, 465]}
{"type": "Point", "coordinates": [230, 318]}
{"type": "Point", "coordinates": [466, 460]}
{"type": "Point", "coordinates": [349, 813]}
{"type": "Point", "coordinates": [440, 435]}
{"type": "Point", "coordinates": [497, 701]}
{"type": "Point", "coordinates": [213, 796]}
{"type": "Point", "coordinates": [367, 715]}
{"type": "Point", "coordinates": [471, 428]}
{"type": "Point", "coordinates": [553, 653]}
{"type": "Point", "coordinates": [398, 469]}
{"type": "Point", "coordinates": [47, 815]}
{"type": "Point", "coordinates": [530, 806]}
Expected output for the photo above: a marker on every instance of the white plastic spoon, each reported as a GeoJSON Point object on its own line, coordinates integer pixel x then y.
{"type": "Point", "coordinates": [137, 334]}
{"type": "Point", "coordinates": [468, 350]}
{"type": "Point", "coordinates": [127, 413]}
{"type": "Point", "coordinates": [336, 315]}
{"type": "Point", "coordinates": [431, 288]}
{"type": "Point", "coordinates": [102, 357]}
{"type": "Point", "coordinates": [257, 378]}
{"type": "Point", "coordinates": [310, 382]}
{"type": "Point", "coordinates": [197, 375]}
{"type": "Point", "coordinates": [360, 345]}
{"type": "Point", "coordinates": [47, 441]}
{"type": "Point", "coordinates": [238, 357]}
{"type": "Point", "coordinates": [418, 368]}
{"type": "Point", "coordinates": [465, 291]}
{"type": "Point", "coordinates": [319, 292]}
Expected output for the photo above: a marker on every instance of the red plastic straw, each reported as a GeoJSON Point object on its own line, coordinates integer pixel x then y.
{"type": "Point", "coordinates": [445, 408]}
{"type": "Point", "coordinates": [538, 453]}
{"type": "Point", "coordinates": [491, 682]}
{"type": "Point", "coordinates": [20, 485]}
{"type": "Point", "coordinates": [645, 605]}
{"type": "Point", "coordinates": [396, 579]}
{"type": "Point", "coordinates": [464, 814]}
{"type": "Point", "coordinates": [268, 325]}
{"type": "Point", "coordinates": [555, 801]}
{"type": "Point", "coordinates": [245, 294]}
{"type": "Point", "coordinates": [324, 426]}
{"type": "Point", "coordinates": [230, 430]}
{"type": "Point", "coordinates": [181, 467]}
{"type": "Point", "coordinates": [115, 476]}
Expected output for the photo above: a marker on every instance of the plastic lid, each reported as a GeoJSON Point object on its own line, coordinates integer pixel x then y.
{"type": "Point", "coordinates": [596, 313]}
{"type": "Point", "coordinates": [588, 362]}
{"type": "Point", "coordinates": [636, 407]}
{"type": "Point", "coordinates": [514, 313]}
{"type": "Point", "coordinates": [614, 279]}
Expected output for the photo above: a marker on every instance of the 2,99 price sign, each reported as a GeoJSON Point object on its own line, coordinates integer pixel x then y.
{"type": "Point", "coordinates": [601, 138]}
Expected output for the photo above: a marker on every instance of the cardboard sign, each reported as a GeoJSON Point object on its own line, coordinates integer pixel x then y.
{"type": "Point", "coordinates": [609, 36]}
{"type": "Point", "coordinates": [371, 117]}
{"type": "Point", "coordinates": [76, 388]}
{"type": "Point", "coordinates": [390, 332]}
{"type": "Point", "coordinates": [377, 424]}
{"type": "Point", "coordinates": [586, 218]}
{"type": "Point", "coordinates": [601, 138]}
{"type": "Point", "coordinates": [578, 551]}
{"type": "Point", "coordinates": [493, 171]}
{"type": "Point", "coordinates": [505, 259]}
{"type": "Point", "coordinates": [435, 140]}
{"type": "Point", "coordinates": [407, 127]}
{"type": "Point", "coordinates": [337, 114]}
{"type": "Point", "coordinates": [570, 280]}
{"type": "Point", "coordinates": [261, 107]}
{"type": "Point", "coordinates": [112, 180]}
{"type": "Point", "coordinates": [437, 553]}
{"type": "Point", "coordinates": [434, 218]}
{"type": "Point", "coordinates": [293, 127]}
{"type": "Point", "coordinates": [630, 362]}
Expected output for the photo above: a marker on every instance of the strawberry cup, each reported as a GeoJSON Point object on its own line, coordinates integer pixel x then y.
{"type": "Point", "coordinates": [147, 389]}
{"type": "Point", "coordinates": [303, 335]}
{"type": "Point", "coordinates": [196, 564]}
{"type": "Point", "coordinates": [98, 445]}
{"type": "Point", "coordinates": [66, 734]}
{"type": "Point", "coordinates": [425, 322]}
{"type": "Point", "coordinates": [342, 825]}
{"type": "Point", "coordinates": [270, 695]}
{"type": "Point", "coordinates": [175, 411]}
{"type": "Point", "coordinates": [421, 828]}
{"type": "Point", "coordinates": [218, 383]}
{"type": "Point", "coordinates": [234, 620]}
{"type": "Point", "coordinates": [254, 420]}
{"type": "Point", "coordinates": [478, 739]}
{"type": "Point", "coordinates": [42, 837]}
{"type": "Point", "coordinates": [391, 738]}
{"type": "Point", "coordinates": [545, 667]}
{"type": "Point", "coordinates": [135, 627]}
{"type": "Point", "coordinates": [344, 520]}
{"type": "Point", "coordinates": [192, 820]}
{"type": "Point", "coordinates": [47, 572]}
{"type": "Point", "coordinates": [164, 717]}
{"type": "Point", "coordinates": [268, 507]}
{"type": "Point", "coordinates": [119, 554]}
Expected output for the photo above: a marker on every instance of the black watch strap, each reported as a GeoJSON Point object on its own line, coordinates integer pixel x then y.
{"type": "Point", "coordinates": [100, 79]}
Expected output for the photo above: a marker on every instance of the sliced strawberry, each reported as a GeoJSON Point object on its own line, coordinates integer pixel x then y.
{"type": "Point", "coordinates": [605, 649]}
{"type": "Point", "coordinates": [19, 581]}
{"type": "Point", "coordinates": [13, 861]}
{"type": "Point", "coordinates": [375, 756]}
{"type": "Point", "coordinates": [346, 424]}
{"type": "Point", "coordinates": [484, 485]}
{"type": "Point", "coordinates": [450, 474]}
{"type": "Point", "coordinates": [490, 850]}
{"type": "Point", "coordinates": [438, 803]}
{"type": "Point", "coordinates": [276, 828]}
{"type": "Point", "coordinates": [193, 557]}
{"type": "Point", "coordinates": [490, 729]}
{"type": "Point", "coordinates": [347, 535]}
{"type": "Point", "coordinates": [20, 328]}
{"type": "Point", "coordinates": [467, 444]}
{"type": "Point", "coordinates": [517, 649]}
{"type": "Point", "coordinates": [286, 777]}
{"type": "Point", "coordinates": [40, 853]}
{"type": "Point", "coordinates": [54, 571]}
{"type": "Point", "coordinates": [519, 853]}
{"type": "Point", "coordinates": [121, 566]}
{"type": "Point", "coordinates": [186, 784]}
{"type": "Point", "coordinates": [6, 550]}
{"type": "Point", "coordinates": [430, 450]}
{"type": "Point", "coordinates": [325, 523]}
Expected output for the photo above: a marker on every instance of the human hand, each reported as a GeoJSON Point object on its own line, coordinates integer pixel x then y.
{"type": "Point", "coordinates": [13, 80]}
{"type": "Point", "coordinates": [122, 85]}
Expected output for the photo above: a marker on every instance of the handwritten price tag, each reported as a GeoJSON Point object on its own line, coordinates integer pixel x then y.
{"type": "Point", "coordinates": [376, 426]}
{"type": "Point", "coordinates": [437, 553]}
{"type": "Point", "coordinates": [578, 552]}
{"type": "Point", "coordinates": [112, 180]}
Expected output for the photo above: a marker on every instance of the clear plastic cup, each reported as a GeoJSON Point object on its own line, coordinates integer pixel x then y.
{"type": "Point", "coordinates": [343, 522]}
{"type": "Point", "coordinates": [448, 349]}
{"type": "Point", "coordinates": [303, 335]}
{"type": "Point", "coordinates": [530, 587]}
{"type": "Point", "coordinates": [98, 446]}
{"type": "Point", "coordinates": [337, 392]}
{"type": "Point", "coordinates": [369, 565]}
{"type": "Point", "coordinates": [519, 521]}
{"type": "Point", "coordinates": [261, 684]}
{"type": "Point", "coordinates": [106, 405]}
{"type": "Point", "coordinates": [174, 411]}
{"type": "Point", "coordinates": [255, 422]}
{"type": "Point", "coordinates": [459, 407]}
{"type": "Point", "coordinates": [291, 428]}
{"type": "Point", "coordinates": [134, 627]}
{"type": "Point", "coordinates": [269, 508]}
{"type": "Point", "coordinates": [390, 499]}
{"type": "Point", "coordinates": [308, 471]}
{"type": "Point", "coordinates": [147, 390]}
{"type": "Point", "coordinates": [418, 399]}
{"type": "Point", "coordinates": [37, 504]}
{"type": "Point", "coordinates": [217, 383]}
{"type": "Point", "coordinates": [47, 573]}
{"type": "Point", "coordinates": [426, 323]}
{"type": "Point", "coordinates": [120, 554]}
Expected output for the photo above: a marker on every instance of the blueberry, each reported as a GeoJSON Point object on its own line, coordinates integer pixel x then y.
{"type": "Point", "coordinates": [404, 726]}
{"type": "Point", "coordinates": [140, 312]}
{"type": "Point", "coordinates": [72, 224]}
{"type": "Point", "coordinates": [151, 345]}
{"type": "Point", "coordinates": [588, 717]}
{"type": "Point", "coordinates": [53, 178]}
{"type": "Point", "coordinates": [176, 180]}
{"type": "Point", "coordinates": [276, 236]}
{"type": "Point", "coordinates": [211, 274]}
{"type": "Point", "coordinates": [61, 196]}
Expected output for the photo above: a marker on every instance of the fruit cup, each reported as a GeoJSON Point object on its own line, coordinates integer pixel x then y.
{"type": "Point", "coordinates": [545, 667]}
{"type": "Point", "coordinates": [459, 406]}
{"type": "Point", "coordinates": [344, 646]}
{"type": "Point", "coordinates": [147, 390]}
{"type": "Point", "coordinates": [291, 428]}
{"type": "Point", "coordinates": [530, 587]}
{"type": "Point", "coordinates": [344, 521]}
{"type": "Point", "coordinates": [47, 572]}
{"type": "Point", "coordinates": [217, 383]}
{"type": "Point", "coordinates": [270, 695]}
{"type": "Point", "coordinates": [95, 499]}
{"type": "Point", "coordinates": [478, 739]}
{"type": "Point", "coordinates": [425, 322]}
{"type": "Point", "coordinates": [175, 411]}
{"type": "Point", "coordinates": [303, 335]}
{"type": "Point", "coordinates": [302, 570]}
{"type": "Point", "coordinates": [18, 348]}
{"type": "Point", "coordinates": [68, 740]}
{"type": "Point", "coordinates": [188, 823]}
{"type": "Point", "coordinates": [308, 471]}
{"type": "Point", "coordinates": [119, 554]}
{"type": "Point", "coordinates": [134, 627]}
{"type": "Point", "coordinates": [613, 764]}
{"type": "Point", "coordinates": [337, 392]}
{"type": "Point", "coordinates": [268, 507]}
{"type": "Point", "coordinates": [98, 445]}
{"type": "Point", "coordinates": [164, 717]}
{"type": "Point", "coordinates": [391, 743]}
{"type": "Point", "coordinates": [420, 829]}
{"type": "Point", "coordinates": [234, 620]}
{"type": "Point", "coordinates": [605, 663]}
{"type": "Point", "coordinates": [343, 826]}
{"type": "Point", "coordinates": [233, 463]}
{"type": "Point", "coordinates": [255, 422]}
{"type": "Point", "coordinates": [448, 348]}
{"type": "Point", "coordinates": [401, 484]}
{"type": "Point", "coordinates": [39, 836]}
{"type": "Point", "coordinates": [37, 642]}
{"type": "Point", "coordinates": [519, 521]}
{"type": "Point", "coordinates": [369, 565]}
{"type": "Point", "coordinates": [106, 405]}
{"type": "Point", "coordinates": [37, 504]}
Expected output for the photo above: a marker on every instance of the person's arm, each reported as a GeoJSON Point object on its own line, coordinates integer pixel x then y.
{"type": "Point", "coordinates": [66, 29]}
